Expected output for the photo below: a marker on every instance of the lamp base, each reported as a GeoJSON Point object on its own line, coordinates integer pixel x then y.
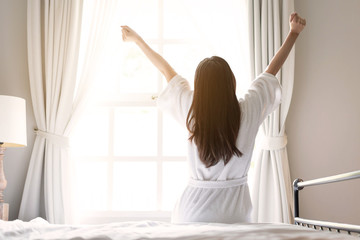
{"type": "Point", "coordinates": [4, 211]}
{"type": "Point", "coordinates": [4, 207]}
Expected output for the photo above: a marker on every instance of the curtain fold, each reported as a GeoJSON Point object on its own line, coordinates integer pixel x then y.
{"type": "Point", "coordinates": [54, 31]}
{"type": "Point", "coordinates": [272, 192]}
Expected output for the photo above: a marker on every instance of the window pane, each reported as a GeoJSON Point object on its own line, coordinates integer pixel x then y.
{"type": "Point", "coordinates": [91, 130]}
{"type": "Point", "coordinates": [91, 186]}
{"type": "Point", "coordinates": [135, 131]}
{"type": "Point", "coordinates": [125, 70]}
{"type": "Point", "coordinates": [178, 20]}
{"type": "Point", "coordinates": [123, 67]}
{"type": "Point", "coordinates": [185, 58]}
{"type": "Point", "coordinates": [202, 19]}
{"type": "Point", "coordinates": [206, 22]}
{"type": "Point", "coordinates": [174, 137]}
{"type": "Point", "coordinates": [137, 75]}
{"type": "Point", "coordinates": [135, 187]}
{"type": "Point", "coordinates": [175, 177]}
{"type": "Point", "coordinates": [141, 15]}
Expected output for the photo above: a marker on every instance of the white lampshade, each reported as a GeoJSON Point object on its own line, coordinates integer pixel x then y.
{"type": "Point", "coordinates": [12, 121]}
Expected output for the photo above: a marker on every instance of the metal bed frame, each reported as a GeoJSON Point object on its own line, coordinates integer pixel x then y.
{"type": "Point", "coordinates": [299, 184]}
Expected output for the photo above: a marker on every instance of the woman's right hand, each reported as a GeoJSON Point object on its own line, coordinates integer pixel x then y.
{"type": "Point", "coordinates": [129, 35]}
{"type": "Point", "coordinates": [297, 24]}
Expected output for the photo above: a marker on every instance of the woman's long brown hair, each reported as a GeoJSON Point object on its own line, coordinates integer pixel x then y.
{"type": "Point", "coordinates": [214, 116]}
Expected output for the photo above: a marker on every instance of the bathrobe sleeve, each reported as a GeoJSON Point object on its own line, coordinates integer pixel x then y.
{"type": "Point", "coordinates": [176, 99]}
{"type": "Point", "coordinates": [263, 97]}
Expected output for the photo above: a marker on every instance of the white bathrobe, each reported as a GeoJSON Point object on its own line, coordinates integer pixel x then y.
{"type": "Point", "coordinates": [220, 193]}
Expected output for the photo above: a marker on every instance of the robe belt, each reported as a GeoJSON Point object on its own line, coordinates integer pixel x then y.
{"type": "Point", "coordinates": [273, 143]}
{"type": "Point", "coordinates": [217, 183]}
{"type": "Point", "coordinates": [53, 138]}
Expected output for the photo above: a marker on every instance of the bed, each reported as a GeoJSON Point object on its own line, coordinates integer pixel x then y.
{"type": "Point", "coordinates": [304, 229]}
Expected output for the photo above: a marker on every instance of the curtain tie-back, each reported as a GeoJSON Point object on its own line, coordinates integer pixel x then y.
{"type": "Point", "coordinates": [53, 138]}
{"type": "Point", "coordinates": [274, 143]}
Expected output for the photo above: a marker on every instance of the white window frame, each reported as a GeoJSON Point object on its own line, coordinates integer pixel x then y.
{"type": "Point", "coordinates": [134, 100]}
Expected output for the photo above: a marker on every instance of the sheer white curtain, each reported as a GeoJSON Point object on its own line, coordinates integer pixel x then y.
{"type": "Point", "coordinates": [54, 32]}
{"type": "Point", "coordinates": [272, 192]}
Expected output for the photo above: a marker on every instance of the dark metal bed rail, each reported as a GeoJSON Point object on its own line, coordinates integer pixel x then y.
{"type": "Point", "coordinates": [299, 184]}
{"type": "Point", "coordinates": [349, 228]}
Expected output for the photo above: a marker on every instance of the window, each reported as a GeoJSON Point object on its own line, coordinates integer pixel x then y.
{"type": "Point", "coordinates": [130, 158]}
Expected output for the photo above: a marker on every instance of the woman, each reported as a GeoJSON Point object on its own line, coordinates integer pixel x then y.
{"type": "Point", "coordinates": [222, 129]}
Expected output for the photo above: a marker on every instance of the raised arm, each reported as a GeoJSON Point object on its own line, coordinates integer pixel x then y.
{"type": "Point", "coordinates": [297, 24]}
{"type": "Point", "coordinates": [159, 62]}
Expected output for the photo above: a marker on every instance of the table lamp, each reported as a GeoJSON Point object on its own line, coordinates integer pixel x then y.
{"type": "Point", "coordinates": [12, 134]}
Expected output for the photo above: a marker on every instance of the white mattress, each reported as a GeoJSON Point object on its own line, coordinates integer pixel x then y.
{"type": "Point", "coordinates": [41, 229]}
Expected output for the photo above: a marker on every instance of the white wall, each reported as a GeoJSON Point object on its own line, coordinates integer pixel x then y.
{"type": "Point", "coordinates": [323, 123]}
{"type": "Point", "coordinates": [14, 81]}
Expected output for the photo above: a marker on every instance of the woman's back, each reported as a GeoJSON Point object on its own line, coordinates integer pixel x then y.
{"type": "Point", "coordinates": [220, 193]}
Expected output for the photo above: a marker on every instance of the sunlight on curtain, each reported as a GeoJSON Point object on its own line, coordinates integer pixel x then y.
{"type": "Point", "coordinates": [130, 157]}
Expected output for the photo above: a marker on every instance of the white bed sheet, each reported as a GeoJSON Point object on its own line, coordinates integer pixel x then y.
{"type": "Point", "coordinates": [41, 229]}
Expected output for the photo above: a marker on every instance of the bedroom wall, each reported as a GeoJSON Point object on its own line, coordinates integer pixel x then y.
{"type": "Point", "coordinates": [323, 123]}
{"type": "Point", "coordinates": [14, 81]}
